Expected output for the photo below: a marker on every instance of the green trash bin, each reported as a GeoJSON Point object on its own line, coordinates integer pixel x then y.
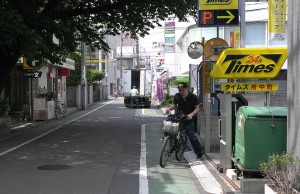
{"type": "Point", "coordinates": [259, 133]}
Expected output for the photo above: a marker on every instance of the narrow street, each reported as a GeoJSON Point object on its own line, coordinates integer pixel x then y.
{"type": "Point", "coordinates": [98, 150]}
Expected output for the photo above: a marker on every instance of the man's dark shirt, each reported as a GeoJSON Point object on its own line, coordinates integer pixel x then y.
{"type": "Point", "coordinates": [185, 106]}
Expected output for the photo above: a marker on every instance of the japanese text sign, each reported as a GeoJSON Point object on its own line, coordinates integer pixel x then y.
{"type": "Point", "coordinates": [249, 87]}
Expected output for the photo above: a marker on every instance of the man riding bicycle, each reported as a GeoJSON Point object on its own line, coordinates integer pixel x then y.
{"type": "Point", "coordinates": [186, 103]}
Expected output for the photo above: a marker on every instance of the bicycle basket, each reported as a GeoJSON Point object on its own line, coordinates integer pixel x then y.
{"type": "Point", "coordinates": [170, 127]}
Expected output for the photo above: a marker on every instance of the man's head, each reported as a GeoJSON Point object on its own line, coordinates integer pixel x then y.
{"type": "Point", "coordinates": [183, 88]}
{"type": "Point", "coordinates": [134, 87]}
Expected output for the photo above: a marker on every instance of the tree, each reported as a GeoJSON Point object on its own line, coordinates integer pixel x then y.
{"type": "Point", "coordinates": [97, 75]}
{"type": "Point", "coordinates": [27, 27]}
{"type": "Point", "coordinates": [75, 75]}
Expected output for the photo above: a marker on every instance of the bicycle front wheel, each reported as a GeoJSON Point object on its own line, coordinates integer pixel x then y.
{"type": "Point", "coordinates": [165, 151]}
{"type": "Point", "coordinates": [181, 146]}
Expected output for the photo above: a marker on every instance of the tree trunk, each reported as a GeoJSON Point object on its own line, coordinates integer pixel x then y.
{"type": "Point", "coordinates": [7, 64]}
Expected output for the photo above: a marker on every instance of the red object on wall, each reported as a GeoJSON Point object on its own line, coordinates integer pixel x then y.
{"type": "Point", "coordinates": [64, 72]}
{"type": "Point", "coordinates": [51, 75]}
{"type": "Point", "coordinates": [58, 87]}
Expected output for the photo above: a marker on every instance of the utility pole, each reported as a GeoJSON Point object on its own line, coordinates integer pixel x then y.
{"type": "Point", "coordinates": [137, 54]}
{"type": "Point", "coordinates": [121, 74]}
{"type": "Point", "coordinates": [83, 78]}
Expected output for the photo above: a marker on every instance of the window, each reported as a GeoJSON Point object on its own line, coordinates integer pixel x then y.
{"type": "Point", "coordinates": [255, 34]}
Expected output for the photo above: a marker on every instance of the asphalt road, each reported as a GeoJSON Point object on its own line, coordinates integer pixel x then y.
{"type": "Point", "coordinates": [105, 149]}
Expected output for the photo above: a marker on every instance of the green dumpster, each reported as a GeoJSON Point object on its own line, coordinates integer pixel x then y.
{"type": "Point", "coordinates": [259, 132]}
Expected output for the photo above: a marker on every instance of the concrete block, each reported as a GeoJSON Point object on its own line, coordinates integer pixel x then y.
{"type": "Point", "coordinates": [230, 173]}
{"type": "Point", "coordinates": [253, 185]}
{"type": "Point", "coordinates": [241, 193]}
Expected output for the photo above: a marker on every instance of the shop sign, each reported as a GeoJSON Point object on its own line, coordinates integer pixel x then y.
{"type": "Point", "coordinates": [51, 75]}
{"type": "Point", "coordinates": [64, 72]}
{"type": "Point", "coordinates": [169, 48]}
{"type": "Point", "coordinates": [33, 74]}
{"type": "Point", "coordinates": [249, 87]}
{"type": "Point", "coordinates": [32, 64]}
{"type": "Point", "coordinates": [249, 63]}
{"type": "Point", "coordinates": [218, 4]}
{"type": "Point", "coordinates": [218, 13]}
{"type": "Point", "coordinates": [160, 62]}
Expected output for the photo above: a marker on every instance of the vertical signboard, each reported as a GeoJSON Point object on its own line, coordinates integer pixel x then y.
{"type": "Point", "coordinates": [277, 19]}
{"type": "Point", "coordinates": [236, 38]}
{"type": "Point", "coordinates": [169, 46]}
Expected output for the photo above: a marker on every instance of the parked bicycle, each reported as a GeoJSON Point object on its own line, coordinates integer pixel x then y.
{"type": "Point", "coordinates": [60, 109]}
{"type": "Point", "coordinates": [175, 139]}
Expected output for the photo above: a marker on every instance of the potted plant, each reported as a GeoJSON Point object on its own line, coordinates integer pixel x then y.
{"type": "Point", "coordinates": [26, 112]}
{"type": "Point", "coordinates": [5, 119]}
{"type": "Point", "coordinates": [283, 172]}
{"type": "Point", "coordinates": [49, 96]}
{"type": "Point", "coordinates": [4, 106]}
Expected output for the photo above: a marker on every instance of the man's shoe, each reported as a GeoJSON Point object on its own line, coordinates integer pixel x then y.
{"type": "Point", "coordinates": [199, 156]}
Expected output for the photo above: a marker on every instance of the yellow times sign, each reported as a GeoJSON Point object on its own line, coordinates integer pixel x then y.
{"type": "Point", "coordinates": [247, 63]}
{"type": "Point", "coordinates": [218, 4]}
{"type": "Point", "coordinates": [249, 87]}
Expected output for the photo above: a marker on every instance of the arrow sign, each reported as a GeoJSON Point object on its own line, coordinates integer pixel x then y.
{"type": "Point", "coordinates": [33, 74]}
{"type": "Point", "coordinates": [230, 17]}
{"type": "Point", "coordinates": [211, 18]}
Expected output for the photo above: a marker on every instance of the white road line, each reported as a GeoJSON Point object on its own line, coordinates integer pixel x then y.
{"type": "Point", "coordinates": [143, 179]}
{"type": "Point", "coordinates": [88, 113]}
{"type": "Point", "coordinates": [50, 131]}
{"type": "Point", "coordinates": [206, 179]}
{"type": "Point", "coordinates": [29, 141]}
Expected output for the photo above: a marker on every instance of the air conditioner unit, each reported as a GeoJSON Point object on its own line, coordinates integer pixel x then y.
{"type": "Point", "coordinates": [155, 44]}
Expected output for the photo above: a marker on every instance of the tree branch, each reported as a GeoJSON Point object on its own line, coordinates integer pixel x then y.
{"type": "Point", "coordinates": [96, 9]}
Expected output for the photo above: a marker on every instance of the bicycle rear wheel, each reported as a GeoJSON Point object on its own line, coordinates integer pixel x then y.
{"type": "Point", "coordinates": [165, 151]}
{"type": "Point", "coordinates": [64, 109]}
{"type": "Point", "coordinates": [57, 113]}
{"type": "Point", "coordinates": [181, 146]}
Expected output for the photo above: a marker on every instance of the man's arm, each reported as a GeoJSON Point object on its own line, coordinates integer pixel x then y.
{"type": "Point", "coordinates": [172, 107]}
{"type": "Point", "coordinates": [195, 111]}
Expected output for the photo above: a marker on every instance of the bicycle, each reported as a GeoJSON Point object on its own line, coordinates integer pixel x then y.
{"type": "Point", "coordinates": [60, 109]}
{"type": "Point", "coordinates": [175, 140]}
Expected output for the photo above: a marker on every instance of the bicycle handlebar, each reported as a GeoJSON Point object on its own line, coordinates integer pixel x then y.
{"type": "Point", "coordinates": [177, 118]}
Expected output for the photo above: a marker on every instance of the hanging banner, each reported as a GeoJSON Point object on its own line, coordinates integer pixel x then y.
{"type": "Point", "coordinates": [277, 19]}
{"type": "Point", "coordinates": [159, 89]}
